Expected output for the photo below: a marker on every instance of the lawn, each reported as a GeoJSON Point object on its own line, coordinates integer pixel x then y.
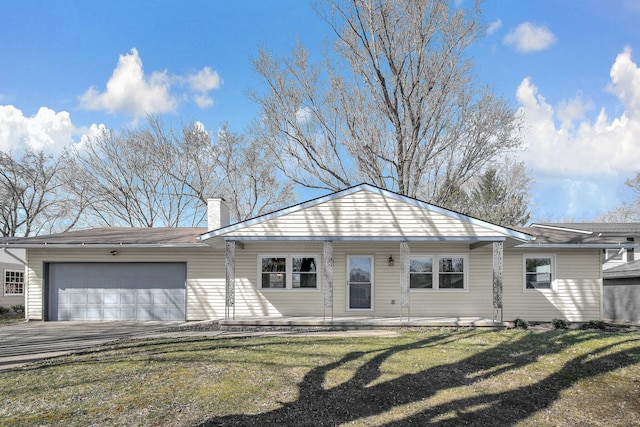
{"type": "Point", "coordinates": [442, 377]}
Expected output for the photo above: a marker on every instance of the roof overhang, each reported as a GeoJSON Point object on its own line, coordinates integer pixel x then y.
{"type": "Point", "coordinates": [104, 245]}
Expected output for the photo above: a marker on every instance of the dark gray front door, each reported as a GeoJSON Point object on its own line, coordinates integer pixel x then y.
{"type": "Point", "coordinates": [117, 291]}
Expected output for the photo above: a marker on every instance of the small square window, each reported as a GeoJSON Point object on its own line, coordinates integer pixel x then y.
{"type": "Point", "coordinates": [13, 282]}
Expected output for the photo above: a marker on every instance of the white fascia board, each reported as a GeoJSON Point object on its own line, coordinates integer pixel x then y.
{"type": "Point", "coordinates": [106, 245]}
{"type": "Point", "coordinates": [575, 245]}
{"type": "Point", "coordinates": [368, 238]}
{"type": "Point", "coordinates": [385, 193]}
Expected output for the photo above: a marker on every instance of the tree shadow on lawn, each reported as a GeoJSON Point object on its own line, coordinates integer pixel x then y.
{"type": "Point", "coordinates": [360, 397]}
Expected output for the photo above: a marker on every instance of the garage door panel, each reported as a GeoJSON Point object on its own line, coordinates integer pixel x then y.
{"type": "Point", "coordinates": [117, 291]}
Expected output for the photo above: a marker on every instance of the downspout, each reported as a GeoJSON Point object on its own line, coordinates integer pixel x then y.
{"type": "Point", "coordinates": [14, 256]}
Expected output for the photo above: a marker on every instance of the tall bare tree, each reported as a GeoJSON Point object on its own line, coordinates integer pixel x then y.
{"type": "Point", "coordinates": [394, 102]}
{"type": "Point", "coordinates": [158, 176]}
{"type": "Point", "coordinates": [251, 184]}
{"type": "Point", "coordinates": [34, 194]}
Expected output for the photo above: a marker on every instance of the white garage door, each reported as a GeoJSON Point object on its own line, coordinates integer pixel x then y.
{"type": "Point", "coordinates": [116, 291]}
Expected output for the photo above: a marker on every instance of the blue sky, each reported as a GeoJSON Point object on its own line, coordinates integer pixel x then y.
{"type": "Point", "coordinates": [571, 67]}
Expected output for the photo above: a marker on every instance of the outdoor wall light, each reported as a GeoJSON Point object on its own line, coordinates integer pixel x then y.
{"type": "Point", "coordinates": [391, 261]}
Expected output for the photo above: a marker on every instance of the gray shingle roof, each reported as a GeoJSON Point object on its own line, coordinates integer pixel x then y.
{"type": "Point", "coordinates": [156, 236]}
{"type": "Point", "coordinates": [557, 237]}
{"type": "Point", "coordinates": [609, 228]}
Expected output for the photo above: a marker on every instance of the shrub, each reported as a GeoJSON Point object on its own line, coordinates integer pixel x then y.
{"type": "Point", "coordinates": [18, 309]}
{"type": "Point", "coordinates": [521, 323]}
{"type": "Point", "coordinates": [595, 324]}
{"type": "Point", "coordinates": [4, 311]}
{"type": "Point", "coordinates": [560, 324]}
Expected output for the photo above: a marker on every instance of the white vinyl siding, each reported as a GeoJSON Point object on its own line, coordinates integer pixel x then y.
{"type": "Point", "coordinates": [577, 292]}
{"type": "Point", "coordinates": [353, 216]}
{"type": "Point", "coordinates": [577, 296]}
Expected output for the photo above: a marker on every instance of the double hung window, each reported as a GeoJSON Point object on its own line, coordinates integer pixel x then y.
{"type": "Point", "coordinates": [438, 272]}
{"type": "Point", "coordinates": [13, 282]}
{"type": "Point", "coordinates": [288, 271]}
{"type": "Point", "coordinates": [539, 272]}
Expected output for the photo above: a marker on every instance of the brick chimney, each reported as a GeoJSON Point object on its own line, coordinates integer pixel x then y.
{"type": "Point", "coordinates": [218, 214]}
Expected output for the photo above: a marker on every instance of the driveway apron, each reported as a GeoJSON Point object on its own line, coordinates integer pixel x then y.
{"type": "Point", "coordinates": [22, 343]}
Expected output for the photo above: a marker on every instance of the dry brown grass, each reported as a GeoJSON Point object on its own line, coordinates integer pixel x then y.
{"type": "Point", "coordinates": [432, 377]}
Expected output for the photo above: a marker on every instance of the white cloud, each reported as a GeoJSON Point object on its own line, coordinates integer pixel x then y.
{"type": "Point", "coordinates": [46, 130]}
{"type": "Point", "coordinates": [494, 26]}
{"type": "Point", "coordinates": [625, 81]}
{"type": "Point", "coordinates": [129, 91]}
{"type": "Point", "coordinates": [561, 141]}
{"type": "Point", "coordinates": [528, 37]}
{"type": "Point", "coordinates": [202, 82]}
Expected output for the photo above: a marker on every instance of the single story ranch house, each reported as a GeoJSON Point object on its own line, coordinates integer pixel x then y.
{"type": "Point", "coordinates": [360, 252]}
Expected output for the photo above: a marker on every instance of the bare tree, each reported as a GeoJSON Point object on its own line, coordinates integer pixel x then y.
{"type": "Point", "coordinates": [34, 194]}
{"type": "Point", "coordinates": [628, 211]}
{"type": "Point", "coordinates": [393, 103]}
{"type": "Point", "coordinates": [157, 176]}
{"type": "Point", "coordinates": [251, 184]}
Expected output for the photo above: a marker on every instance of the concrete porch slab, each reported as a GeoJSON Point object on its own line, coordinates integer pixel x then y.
{"type": "Point", "coordinates": [360, 322]}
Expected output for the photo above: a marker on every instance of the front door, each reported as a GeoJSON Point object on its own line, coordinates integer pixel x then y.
{"type": "Point", "coordinates": [360, 282]}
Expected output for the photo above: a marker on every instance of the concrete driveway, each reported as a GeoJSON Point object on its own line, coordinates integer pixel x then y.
{"type": "Point", "coordinates": [26, 342]}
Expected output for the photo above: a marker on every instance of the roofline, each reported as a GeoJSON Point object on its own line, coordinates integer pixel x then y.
{"type": "Point", "coordinates": [576, 245]}
{"type": "Point", "coordinates": [553, 227]}
{"type": "Point", "coordinates": [368, 238]}
{"type": "Point", "coordinates": [103, 245]}
{"type": "Point", "coordinates": [386, 193]}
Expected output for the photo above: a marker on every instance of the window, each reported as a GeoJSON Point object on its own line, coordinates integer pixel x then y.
{"type": "Point", "coordinates": [13, 282]}
{"type": "Point", "coordinates": [288, 272]}
{"type": "Point", "coordinates": [421, 273]}
{"type": "Point", "coordinates": [538, 271]}
{"type": "Point", "coordinates": [613, 255]}
{"type": "Point", "coordinates": [451, 273]}
{"type": "Point", "coordinates": [437, 272]}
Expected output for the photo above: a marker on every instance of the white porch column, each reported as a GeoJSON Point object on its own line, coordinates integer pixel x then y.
{"type": "Point", "coordinates": [230, 294]}
{"type": "Point", "coordinates": [405, 254]}
{"type": "Point", "coordinates": [327, 277]}
{"type": "Point", "coordinates": [498, 263]}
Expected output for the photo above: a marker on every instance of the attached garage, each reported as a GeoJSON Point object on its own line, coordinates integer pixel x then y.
{"type": "Point", "coordinates": [116, 291]}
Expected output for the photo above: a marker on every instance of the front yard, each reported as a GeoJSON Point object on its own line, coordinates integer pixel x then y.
{"type": "Point", "coordinates": [443, 377]}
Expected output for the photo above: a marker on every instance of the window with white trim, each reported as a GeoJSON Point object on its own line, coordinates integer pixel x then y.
{"type": "Point", "coordinates": [421, 273]}
{"type": "Point", "coordinates": [445, 272]}
{"type": "Point", "coordinates": [539, 272]}
{"type": "Point", "coordinates": [299, 271]}
{"type": "Point", "coordinates": [13, 282]}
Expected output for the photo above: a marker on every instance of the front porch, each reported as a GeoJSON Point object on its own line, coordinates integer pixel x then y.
{"type": "Point", "coordinates": [359, 322]}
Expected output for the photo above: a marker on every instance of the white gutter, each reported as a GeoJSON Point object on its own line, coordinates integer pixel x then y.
{"type": "Point", "coordinates": [108, 245]}
{"type": "Point", "coordinates": [577, 245]}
